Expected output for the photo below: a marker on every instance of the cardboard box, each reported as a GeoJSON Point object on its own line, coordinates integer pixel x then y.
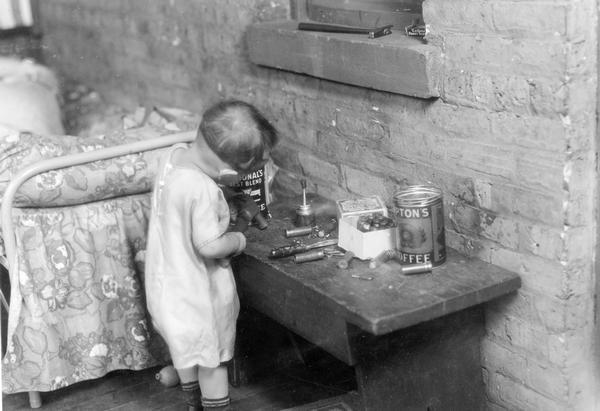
{"type": "Point", "coordinates": [364, 244]}
{"type": "Point", "coordinates": [358, 206]}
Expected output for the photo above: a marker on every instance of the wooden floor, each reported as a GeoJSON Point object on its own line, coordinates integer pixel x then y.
{"type": "Point", "coordinates": [324, 385]}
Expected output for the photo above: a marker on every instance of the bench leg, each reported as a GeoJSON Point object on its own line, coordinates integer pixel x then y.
{"type": "Point", "coordinates": [35, 399]}
{"type": "Point", "coordinates": [235, 372]}
{"type": "Point", "coordinates": [432, 366]}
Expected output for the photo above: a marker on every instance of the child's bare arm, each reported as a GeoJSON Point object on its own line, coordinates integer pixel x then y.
{"type": "Point", "coordinates": [227, 245]}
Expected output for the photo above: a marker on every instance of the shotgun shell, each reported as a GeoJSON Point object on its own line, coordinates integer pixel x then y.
{"type": "Point", "coordinates": [309, 256]}
{"type": "Point", "coordinates": [345, 261]}
{"type": "Point", "coordinates": [298, 231]}
{"type": "Point", "coordinates": [260, 221]}
{"type": "Point", "coordinates": [417, 268]}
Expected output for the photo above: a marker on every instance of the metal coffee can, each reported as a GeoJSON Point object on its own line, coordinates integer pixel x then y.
{"type": "Point", "coordinates": [419, 212]}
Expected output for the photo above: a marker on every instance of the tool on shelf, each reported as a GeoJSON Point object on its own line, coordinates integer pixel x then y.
{"type": "Point", "coordinates": [362, 277]}
{"type": "Point", "coordinates": [412, 269]}
{"type": "Point", "coordinates": [372, 32]}
{"type": "Point", "coordinates": [289, 250]}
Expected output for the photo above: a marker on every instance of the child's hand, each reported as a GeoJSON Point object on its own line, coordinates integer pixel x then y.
{"type": "Point", "coordinates": [241, 246]}
{"type": "Point", "coordinates": [241, 243]}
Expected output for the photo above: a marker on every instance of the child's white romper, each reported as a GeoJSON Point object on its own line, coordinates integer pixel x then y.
{"type": "Point", "coordinates": [192, 300]}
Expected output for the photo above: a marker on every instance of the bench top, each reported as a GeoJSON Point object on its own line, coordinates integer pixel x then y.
{"type": "Point", "coordinates": [391, 301]}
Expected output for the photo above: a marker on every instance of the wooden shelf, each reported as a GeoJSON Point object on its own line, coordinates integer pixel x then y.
{"type": "Point", "coordinates": [414, 340]}
{"type": "Point", "coordinates": [390, 302]}
{"type": "Point", "coordinates": [395, 63]}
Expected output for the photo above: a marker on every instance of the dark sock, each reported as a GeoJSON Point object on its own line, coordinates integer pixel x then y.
{"type": "Point", "coordinates": [215, 403]}
{"type": "Point", "coordinates": [191, 393]}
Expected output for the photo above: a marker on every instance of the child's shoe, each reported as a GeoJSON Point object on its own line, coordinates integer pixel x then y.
{"type": "Point", "coordinates": [191, 393]}
{"type": "Point", "coordinates": [216, 404]}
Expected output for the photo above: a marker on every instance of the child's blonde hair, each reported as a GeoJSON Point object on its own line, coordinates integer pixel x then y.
{"type": "Point", "coordinates": [238, 134]}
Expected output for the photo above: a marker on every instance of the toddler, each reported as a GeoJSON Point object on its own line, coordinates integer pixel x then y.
{"type": "Point", "coordinates": [190, 288]}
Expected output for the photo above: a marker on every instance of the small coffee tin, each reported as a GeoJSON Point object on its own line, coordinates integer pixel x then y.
{"type": "Point", "coordinates": [419, 212]}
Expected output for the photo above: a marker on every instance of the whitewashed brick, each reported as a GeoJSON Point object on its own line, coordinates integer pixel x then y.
{"type": "Point", "coordinates": [536, 133]}
{"type": "Point", "coordinates": [526, 338]}
{"type": "Point", "coordinates": [520, 19]}
{"type": "Point", "coordinates": [506, 392]}
{"type": "Point", "coordinates": [535, 308]}
{"type": "Point", "coordinates": [537, 274]}
{"type": "Point", "coordinates": [487, 159]}
{"type": "Point", "coordinates": [579, 244]}
{"type": "Point", "coordinates": [541, 172]}
{"type": "Point", "coordinates": [541, 376]}
{"type": "Point", "coordinates": [319, 168]}
{"type": "Point", "coordinates": [497, 54]}
{"type": "Point", "coordinates": [363, 183]}
{"type": "Point", "coordinates": [530, 204]}
{"type": "Point", "coordinates": [502, 230]}
{"type": "Point", "coordinates": [541, 240]}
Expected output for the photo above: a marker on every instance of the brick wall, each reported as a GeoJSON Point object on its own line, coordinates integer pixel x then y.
{"type": "Point", "coordinates": [21, 44]}
{"type": "Point", "coordinates": [512, 142]}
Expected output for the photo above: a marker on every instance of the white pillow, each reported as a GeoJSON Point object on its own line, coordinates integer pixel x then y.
{"type": "Point", "coordinates": [29, 97]}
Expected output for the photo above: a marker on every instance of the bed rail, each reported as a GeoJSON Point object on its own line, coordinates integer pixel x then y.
{"type": "Point", "coordinates": [72, 160]}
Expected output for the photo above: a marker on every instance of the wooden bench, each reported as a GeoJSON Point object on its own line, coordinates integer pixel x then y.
{"type": "Point", "coordinates": [414, 340]}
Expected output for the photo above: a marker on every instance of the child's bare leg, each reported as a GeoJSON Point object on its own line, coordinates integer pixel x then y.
{"type": "Point", "coordinates": [215, 387]}
{"type": "Point", "coordinates": [188, 378]}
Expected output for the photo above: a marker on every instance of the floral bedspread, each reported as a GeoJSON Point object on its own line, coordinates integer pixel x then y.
{"type": "Point", "coordinates": [77, 308]}
{"type": "Point", "coordinates": [83, 310]}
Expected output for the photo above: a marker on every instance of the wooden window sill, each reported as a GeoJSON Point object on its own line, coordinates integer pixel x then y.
{"type": "Point", "coordinates": [395, 63]}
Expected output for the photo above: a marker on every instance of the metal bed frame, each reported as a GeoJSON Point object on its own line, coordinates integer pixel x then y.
{"type": "Point", "coordinates": [32, 170]}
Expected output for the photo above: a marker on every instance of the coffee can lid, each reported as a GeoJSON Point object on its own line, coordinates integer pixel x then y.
{"type": "Point", "coordinates": [417, 196]}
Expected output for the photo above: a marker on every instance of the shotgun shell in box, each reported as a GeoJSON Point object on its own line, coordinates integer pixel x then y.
{"type": "Point", "coordinates": [420, 219]}
{"type": "Point", "coordinates": [368, 243]}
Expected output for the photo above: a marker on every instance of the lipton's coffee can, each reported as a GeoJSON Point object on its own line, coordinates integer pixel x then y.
{"type": "Point", "coordinates": [419, 212]}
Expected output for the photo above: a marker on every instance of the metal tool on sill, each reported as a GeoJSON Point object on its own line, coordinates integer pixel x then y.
{"type": "Point", "coordinates": [305, 216]}
{"type": "Point", "coordinates": [372, 32]}
{"type": "Point", "coordinates": [416, 29]}
{"type": "Point", "coordinates": [289, 250]}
